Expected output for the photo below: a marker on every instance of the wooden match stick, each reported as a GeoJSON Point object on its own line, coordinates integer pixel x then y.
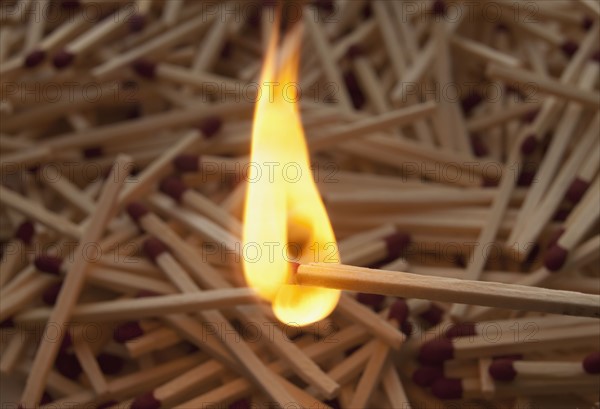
{"type": "Point", "coordinates": [14, 253]}
{"type": "Point", "coordinates": [509, 369]}
{"type": "Point", "coordinates": [73, 284]}
{"type": "Point", "coordinates": [447, 289]}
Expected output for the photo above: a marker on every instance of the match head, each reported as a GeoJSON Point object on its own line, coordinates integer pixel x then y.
{"type": "Point", "coordinates": [461, 329]}
{"type": "Point", "coordinates": [433, 315]}
{"type": "Point", "coordinates": [25, 232]}
{"type": "Point", "coordinates": [136, 211]}
{"type": "Point", "coordinates": [187, 163]}
{"type": "Point", "coordinates": [210, 126]}
{"type": "Point", "coordinates": [591, 363]}
{"type": "Point", "coordinates": [529, 145]}
{"type": "Point", "coordinates": [439, 8]}
{"type": "Point", "coordinates": [396, 244]}
{"type": "Point", "coordinates": [240, 404]}
{"type": "Point", "coordinates": [68, 365]}
{"type": "Point", "coordinates": [526, 177]}
{"type": "Point", "coordinates": [146, 401]}
{"type": "Point", "coordinates": [354, 88]}
{"type": "Point", "coordinates": [173, 187]}
{"type": "Point", "coordinates": [136, 23]}
{"type": "Point", "coordinates": [63, 59]}
{"type": "Point", "coordinates": [34, 58]}
{"type": "Point", "coordinates": [371, 300]}
{"type": "Point", "coordinates": [555, 258]}
{"type": "Point", "coordinates": [50, 294]}
{"type": "Point", "coordinates": [48, 264]}
{"type": "Point", "coordinates": [107, 404]}
{"type": "Point", "coordinates": [502, 370]}
{"type": "Point", "coordinates": [478, 146]}
{"type": "Point", "coordinates": [399, 312]}
{"type": "Point", "coordinates": [110, 364]}
{"type": "Point", "coordinates": [470, 102]}
{"type": "Point", "coordinates": [93, 152]}
{"type": "Point", "coordinates": [70, 4]}
{"type": "Point", "coordinates": [355, 51]}
{"type": "Point", "coordinates": [153, 248]}
{"type": "Point", "coordinates": [426, 375]}
{"type": "Point", "coordinates": [569, 48]}
{"type": "Point", "coordinates": [436, 351]}
{"type": "Point", "coordinates": [445, 388]}
{"type": "Point", "coordinates": [128, 331]}
{"type": "Point", "coordinates": [576, 190]}
{"type": "Point", "coordinates": [144, 68]}
{"type": "Point", "coordinates": [586, 23]}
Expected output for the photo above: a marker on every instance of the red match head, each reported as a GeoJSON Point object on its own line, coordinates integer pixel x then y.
{"type": "Point", "coordinates": [555, 258]}
{"type": "Point", "coordinates": [25, 232]}
{"type": "Point", "coordinates": [371, 300]}
{"type": "Point", "coordinates": [426, 375]}
{"type": "Point", "coordinates": [144, 68]}
{"type": "Point", "coordinates": [399, 311]}
{"type": "Point", "coordinates": [48, 264]}
{"type": "Point", "coordinates": [153, 248]}
{"type": "Point", "coordinates": [462, 329]}
{"type": "Point", "coordinates": [110, 364]}
{"type": "Point", "coordinates": [445, 388]}
{"type": "Point", "coordinates": [34, 58]}
{"type": "Point", "coordinates": [502, 370]}
{"type": "Point", "coordinates": [63, 59]}
{"type": "Point", "coordinates": [173, 187]}
{"type": "Point", "coordinates": [146, 401]}
{"type": "Point", "coordinates": [50, 294]}
{"type": "Point", "coordinates": [68, 365]}
{"type": "Point", "coordinates": [529, 145]}
{"type": "Point", "coordinates": [576, 190]}
{"type": "Point", "coordinates": [136, 23]}
{"type": "Point", "coordinates": [128, 331]}
{"type": "Point", "coordinates": [187, 163]}
{"type": "Point", "coordinates": [396, 244]}
{"type": "Point", "coordinates": [436, 351]}
{"type": "Point", "coordinates": [210, 126]}
{"type": "Point", "coordinates": [433, 315]}
{"type": "Point", "coordinates": [591, 363]}
{"type": "Point", "coordinates": [136, 211]}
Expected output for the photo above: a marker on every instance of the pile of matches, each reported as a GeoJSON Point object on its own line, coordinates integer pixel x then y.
{"type": "Point", "coordinates": [448, 139]}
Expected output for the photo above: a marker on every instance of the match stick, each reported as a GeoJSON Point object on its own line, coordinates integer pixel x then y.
{"type": "Point", "coordinates": [447, 290]}
{"type": "Point", "coordinates": [14, 253]}
{"type": "Point", "coordinates": [73, 284]}
{"type": "Point", "coordinates": [509, 369]}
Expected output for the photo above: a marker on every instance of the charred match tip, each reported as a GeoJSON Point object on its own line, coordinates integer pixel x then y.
{"type": "Point", "coordinates": [576, 190]}
{"type": "Point", "coordinates": [136, 211]}
{"type": "Point", "coordinates": [436, 351]}
{"type": "Point", "coordinates": [426, 375]}
{"type": "Point", "coordinates": [136, 23]}
{"type": "Point", "coordinates": [462, 329]}
{"type": "Point", "coordinates": [471, 101]}
{"type": "Point", "coordinates": [569, 48]}
{"type": "Point", "coordinates": [25, 232]}
{"type": "Point", "coordinates": [34, 58]}
{"type": "Point", "coordinates": [371, 300]}
{"type": "Point", "coordinates": [173, 187]}
{"type": "Point", "coordinates": [396, 244]}
{"type": "Point", "coordinates": [445, 388]}
{"type": "Point", "coordinates": [93, 152]}
{"type": "Point", "coordinates": [110, 364]}
{"type": "Point", "coordinates": [591, 363]}
{"type": "Point", "coordinates": [555, 257]}
{"type": "Point", "coordinates": [146, 401]}
{"type": "Point", "coordinates": [355, 51]}
{"type": "Point", "coordinates": [479, 147]}
{"type": "Point", "coordinates": [210, 126]}
{"type": "Point", "coordinates": [50, 294]}
{"type": "Point", "coordinates": [128, 331]}
{"type": "Point", "coordinates": [439, 8]}
{"type": "Point", "coordinates": [399, 311]}
{"type": "Point", "coordinates": [144, 68]}
{"type": "Point", "coordinates": [48, 264]}
{"type": "Point", "coordinates": [433, 315]}
{"type": "Point", "coordinates": [68, 365]}
{"type": "Point", "coordinates": [502, 370]}
{"type": "Point", "coordinates": [529, 145]}
{"type": "Point", "coordinates": [63, 59]}
{"type": "Point", "coordinates": [187, 163]}
{"type": "Point", "coordinates": [153, 248]}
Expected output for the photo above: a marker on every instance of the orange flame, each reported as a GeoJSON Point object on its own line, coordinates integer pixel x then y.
{"type": "Point", "coordinates": [284, 217]}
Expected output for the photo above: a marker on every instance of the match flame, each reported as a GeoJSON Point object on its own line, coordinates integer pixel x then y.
{"type": "Point", "coordinates": [285, 220]}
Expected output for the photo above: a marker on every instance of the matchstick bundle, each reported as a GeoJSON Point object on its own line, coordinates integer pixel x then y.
{"type": "Point", "coordinates": [455, 146]}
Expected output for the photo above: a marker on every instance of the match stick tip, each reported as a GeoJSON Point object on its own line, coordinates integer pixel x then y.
{"type": "Point", "coordinates": [576, 190]}
{"type": "Point", "coordinates": [173, 187]}
{"type": "Point", "coordinates": [426, 375]}
{"type": "Point", "coordinates": [555, 258]}
{"type": "Point", "coordinates": [136, 23]}
{"type": "Point", "coordinates": [136, 211]}
{"type": "Point", "coordinates": [436, 351]}
{"type": "Point", "coordinates": [461, 329]}
{"type": "Point", "coordinates": [399, 311]}
{"type": "Point", "coordinates": [569, 48]}
{"type": "Point", "coordinates": [502, 370]}
{"type": "Point", "coordinates": [146, 401]}
{"type": "Point", "coordinates": [25, 232]}
{"type": "Point", "coordinates": [591, 363]}
{"type": "Point", "coordinates": [48, 264]}
{"type": "Point", "coordinates": [210, 126]}
{"type": "Point", "coordinates": [110, 364]}
{"type": "Point", "coordinates": [433, 315]}
{"type": "Point", "coordinates": [68, 365]}
{"type": "Point", "coordinates": [50, 294]}
{"type": "Point", "coordinates": [294, 268]}
{"type": "Point", "coordinates": [93, 152]}
{"type": "Point", "coordinates": [396, 244]}
{"type": "Point", "coordinates": [153, 248]}
{"type": "Point", "coordinates": [445, 388]}
{"type": "Point", "coordinates": [529, 145]}
{"type": "Point", "coordinates": [34, 58]}
{"type": "Point", "coordinates": [478, 146]}
{"type": "Point", "coordinates": [63, 59]}
{"type": "Point", "coordinates": [187, 163]}
{"type": "Point", "coordinates": [128, 331]}
{"type": "Point", "coordinates": [144, 68]}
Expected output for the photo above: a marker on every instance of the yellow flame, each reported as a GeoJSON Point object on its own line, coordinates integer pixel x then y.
{"type": "Point", "coordinates": [284, 217]}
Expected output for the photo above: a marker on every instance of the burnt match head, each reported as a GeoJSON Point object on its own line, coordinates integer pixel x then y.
{"type": "Point", "coordinates": [48, 264]}
{"type": "Point", "coordinates": [136, 211]}
{"type": "Point", "coordinates": [210, 126]}
{"type": "Point", "coordinates": [128, 331]}
{"type": "Point", "coordinates": [436, 351]}
{"type": "Point", "coordinates": [153, 248]}
{"type": "Point", "coordinates": [173, 187]}
{"type": "Point", "coordinates": [461, 329]}
{"type": "Point", "coordinates": [50, 294]}
{"type": "Point", "coordinates": [144, 68]}
{"type": "Point", "coordinates": [34, 58]}
{"type": "Point", "coordinates": [426, 375]}
{"type": "Point", "coordinates": [396, 244]}
{"type": "Point", "coordinates": [25, 232]}
{"type": "Point", "coordinates": [445, 388]}
{"type": "Point", "coordinates": [529, 145]}
{"type": "Point", "coordinates": [591, 363]}
{"type": "Point", "coordinates": [146, 401]}
{"type": "Point", "coordinates": [187, 163]}
{"type": "Point", "coordinates": [502, 370]}
{"type": "Point", "coordinates": [63, 59]}
{"type": "Point", "coordinates": [555, 258]}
